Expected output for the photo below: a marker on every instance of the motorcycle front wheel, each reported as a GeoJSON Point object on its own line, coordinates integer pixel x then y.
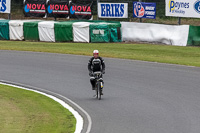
{"type": "Point", "coordinates": [99, 91]}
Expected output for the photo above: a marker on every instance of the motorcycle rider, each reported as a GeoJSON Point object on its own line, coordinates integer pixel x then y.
{"type": "Point", "coordinates": [96, 63]}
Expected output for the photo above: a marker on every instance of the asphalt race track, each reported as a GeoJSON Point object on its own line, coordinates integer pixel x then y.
{"type": "Point", "coordinates": [139, 97]}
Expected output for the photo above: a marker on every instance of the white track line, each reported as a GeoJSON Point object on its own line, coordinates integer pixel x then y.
{"type": "Point", "coordinates": [79, 119]}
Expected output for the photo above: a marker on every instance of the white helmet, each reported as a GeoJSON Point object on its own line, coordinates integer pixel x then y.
{"type": "Point", "coordinates": [95, 52]}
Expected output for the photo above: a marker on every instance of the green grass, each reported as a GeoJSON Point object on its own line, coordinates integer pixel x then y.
{"type": "Point", "coordinates": [23, 111]}
{"type": "Point", "coordinates": [146, 52]}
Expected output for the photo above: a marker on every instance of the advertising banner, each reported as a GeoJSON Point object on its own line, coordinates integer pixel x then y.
{"type": "Point", "coordinates": [5, 6]}
{"type": "Point", "coordinates": [80, 11]}
{"type": "Point", "coordinates": [34, 8]}
{"type": "Point", "coordinates": [182, 8]}
{"type": "Point", "coordinates": [113, 10]}
{"type": "Point", "coordinates": [144, 10]}
{"type": "Point", "coordinates": [58, 9]}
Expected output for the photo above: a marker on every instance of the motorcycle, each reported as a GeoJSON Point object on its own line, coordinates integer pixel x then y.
{"type": "Point", "coordinates": [99, 84]}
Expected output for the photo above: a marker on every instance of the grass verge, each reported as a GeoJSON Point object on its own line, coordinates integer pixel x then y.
{"type": "Point", "coordinates": [24, 111]}
{"type": "Point", "coordinates": [147, 52]}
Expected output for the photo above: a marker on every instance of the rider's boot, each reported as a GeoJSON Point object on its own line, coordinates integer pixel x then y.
{"type": "Point", "coordinates": [92, 83]}
{"type": "Point", "coordinates": [93, 86]}
{"type": "Point", "coordinates": [101, 91]}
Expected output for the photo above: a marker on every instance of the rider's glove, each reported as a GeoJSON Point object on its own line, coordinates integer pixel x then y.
{"type": "Point", "coordinates": [103, 71]}
{"type": "Point", "coordinates": [90, 73]}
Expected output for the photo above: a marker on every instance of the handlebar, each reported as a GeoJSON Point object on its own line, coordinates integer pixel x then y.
{"type": "Point", "coordinates": [97, 74]}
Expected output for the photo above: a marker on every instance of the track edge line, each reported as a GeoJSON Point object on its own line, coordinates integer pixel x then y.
{"type": "Point", "coordinates": [87, 125]}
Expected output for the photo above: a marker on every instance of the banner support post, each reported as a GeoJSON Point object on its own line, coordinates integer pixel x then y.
{"type": "Point", "coordinates": [179, 20]}
{"type": "Point", "coordinates": [97, 10]}
{"type": "Point", "coordinates": [9, 16]}
{"type": "Point", "coordinates": [140, 20]}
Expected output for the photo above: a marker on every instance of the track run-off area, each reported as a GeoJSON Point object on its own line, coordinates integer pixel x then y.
{"type": "Point", "coordinates": [139, 97]}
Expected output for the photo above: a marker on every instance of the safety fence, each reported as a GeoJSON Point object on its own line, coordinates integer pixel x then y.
{"type": "Point", "coordinates": [18, 13]}
{"type": "Point", "coordinates": [55, 31]}
{"type": "Point", "coordinates": [99, 31]}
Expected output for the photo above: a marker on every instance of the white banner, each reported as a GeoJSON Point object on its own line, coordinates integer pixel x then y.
{"type": "Point", "coordinates": [182, 8]}
{"type": "Point", "coordinates": [113, 10]}
{"type": "Point", "coordinates": [5, 6]}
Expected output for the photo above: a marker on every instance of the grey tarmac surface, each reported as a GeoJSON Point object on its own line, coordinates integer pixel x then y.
{"type": "Point", "coordinates": [139, 97]}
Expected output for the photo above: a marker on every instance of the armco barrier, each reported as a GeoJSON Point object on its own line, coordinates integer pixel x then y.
{"type": "Point", "coordinates": [194, 36]}
{"type": "Point", "coordinates": [16, 31]}
{"type": "Point", "coordinates": [4, 30]}
{"type": "Point", "coordinates": [31, 31]}
{"type": "Point", "coordinates": [46, 31]}
{"type": "Point", "coordinates": [155, 33]}
{"type": "Point", "coordinates": [78, 31]}
{"type": "Point", "coordinates": [81, 31]}
{"type": "Point", "coordinates": [64, 31]}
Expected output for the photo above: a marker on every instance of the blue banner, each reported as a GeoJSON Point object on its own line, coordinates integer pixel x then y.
{"type": "Point", "coordinates": [5, 6]}
{"type": "Point", "coordinates": [144, 10]}
{"type": "Point", "coordinates": [113, 10]}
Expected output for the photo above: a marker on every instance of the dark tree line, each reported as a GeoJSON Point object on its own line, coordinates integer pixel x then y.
{"type": "Point", "coordinates": [17, 1]}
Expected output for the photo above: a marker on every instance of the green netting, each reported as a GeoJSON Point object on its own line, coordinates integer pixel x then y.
{"type": "Point", "coordinates": [194, 36]}
{"type": "Point", "coordinates": [105, 32]}
{"type": "Point", "coordinates": [99, 33]}
{"type": "Point", "coordinates": [4, 30]}
{"type": "Point", "coordinates": [115, 32]}
{"type": "Point", "coordinates": [64, 31]}
{"type": "Point", "coordinates": [31, 30]}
